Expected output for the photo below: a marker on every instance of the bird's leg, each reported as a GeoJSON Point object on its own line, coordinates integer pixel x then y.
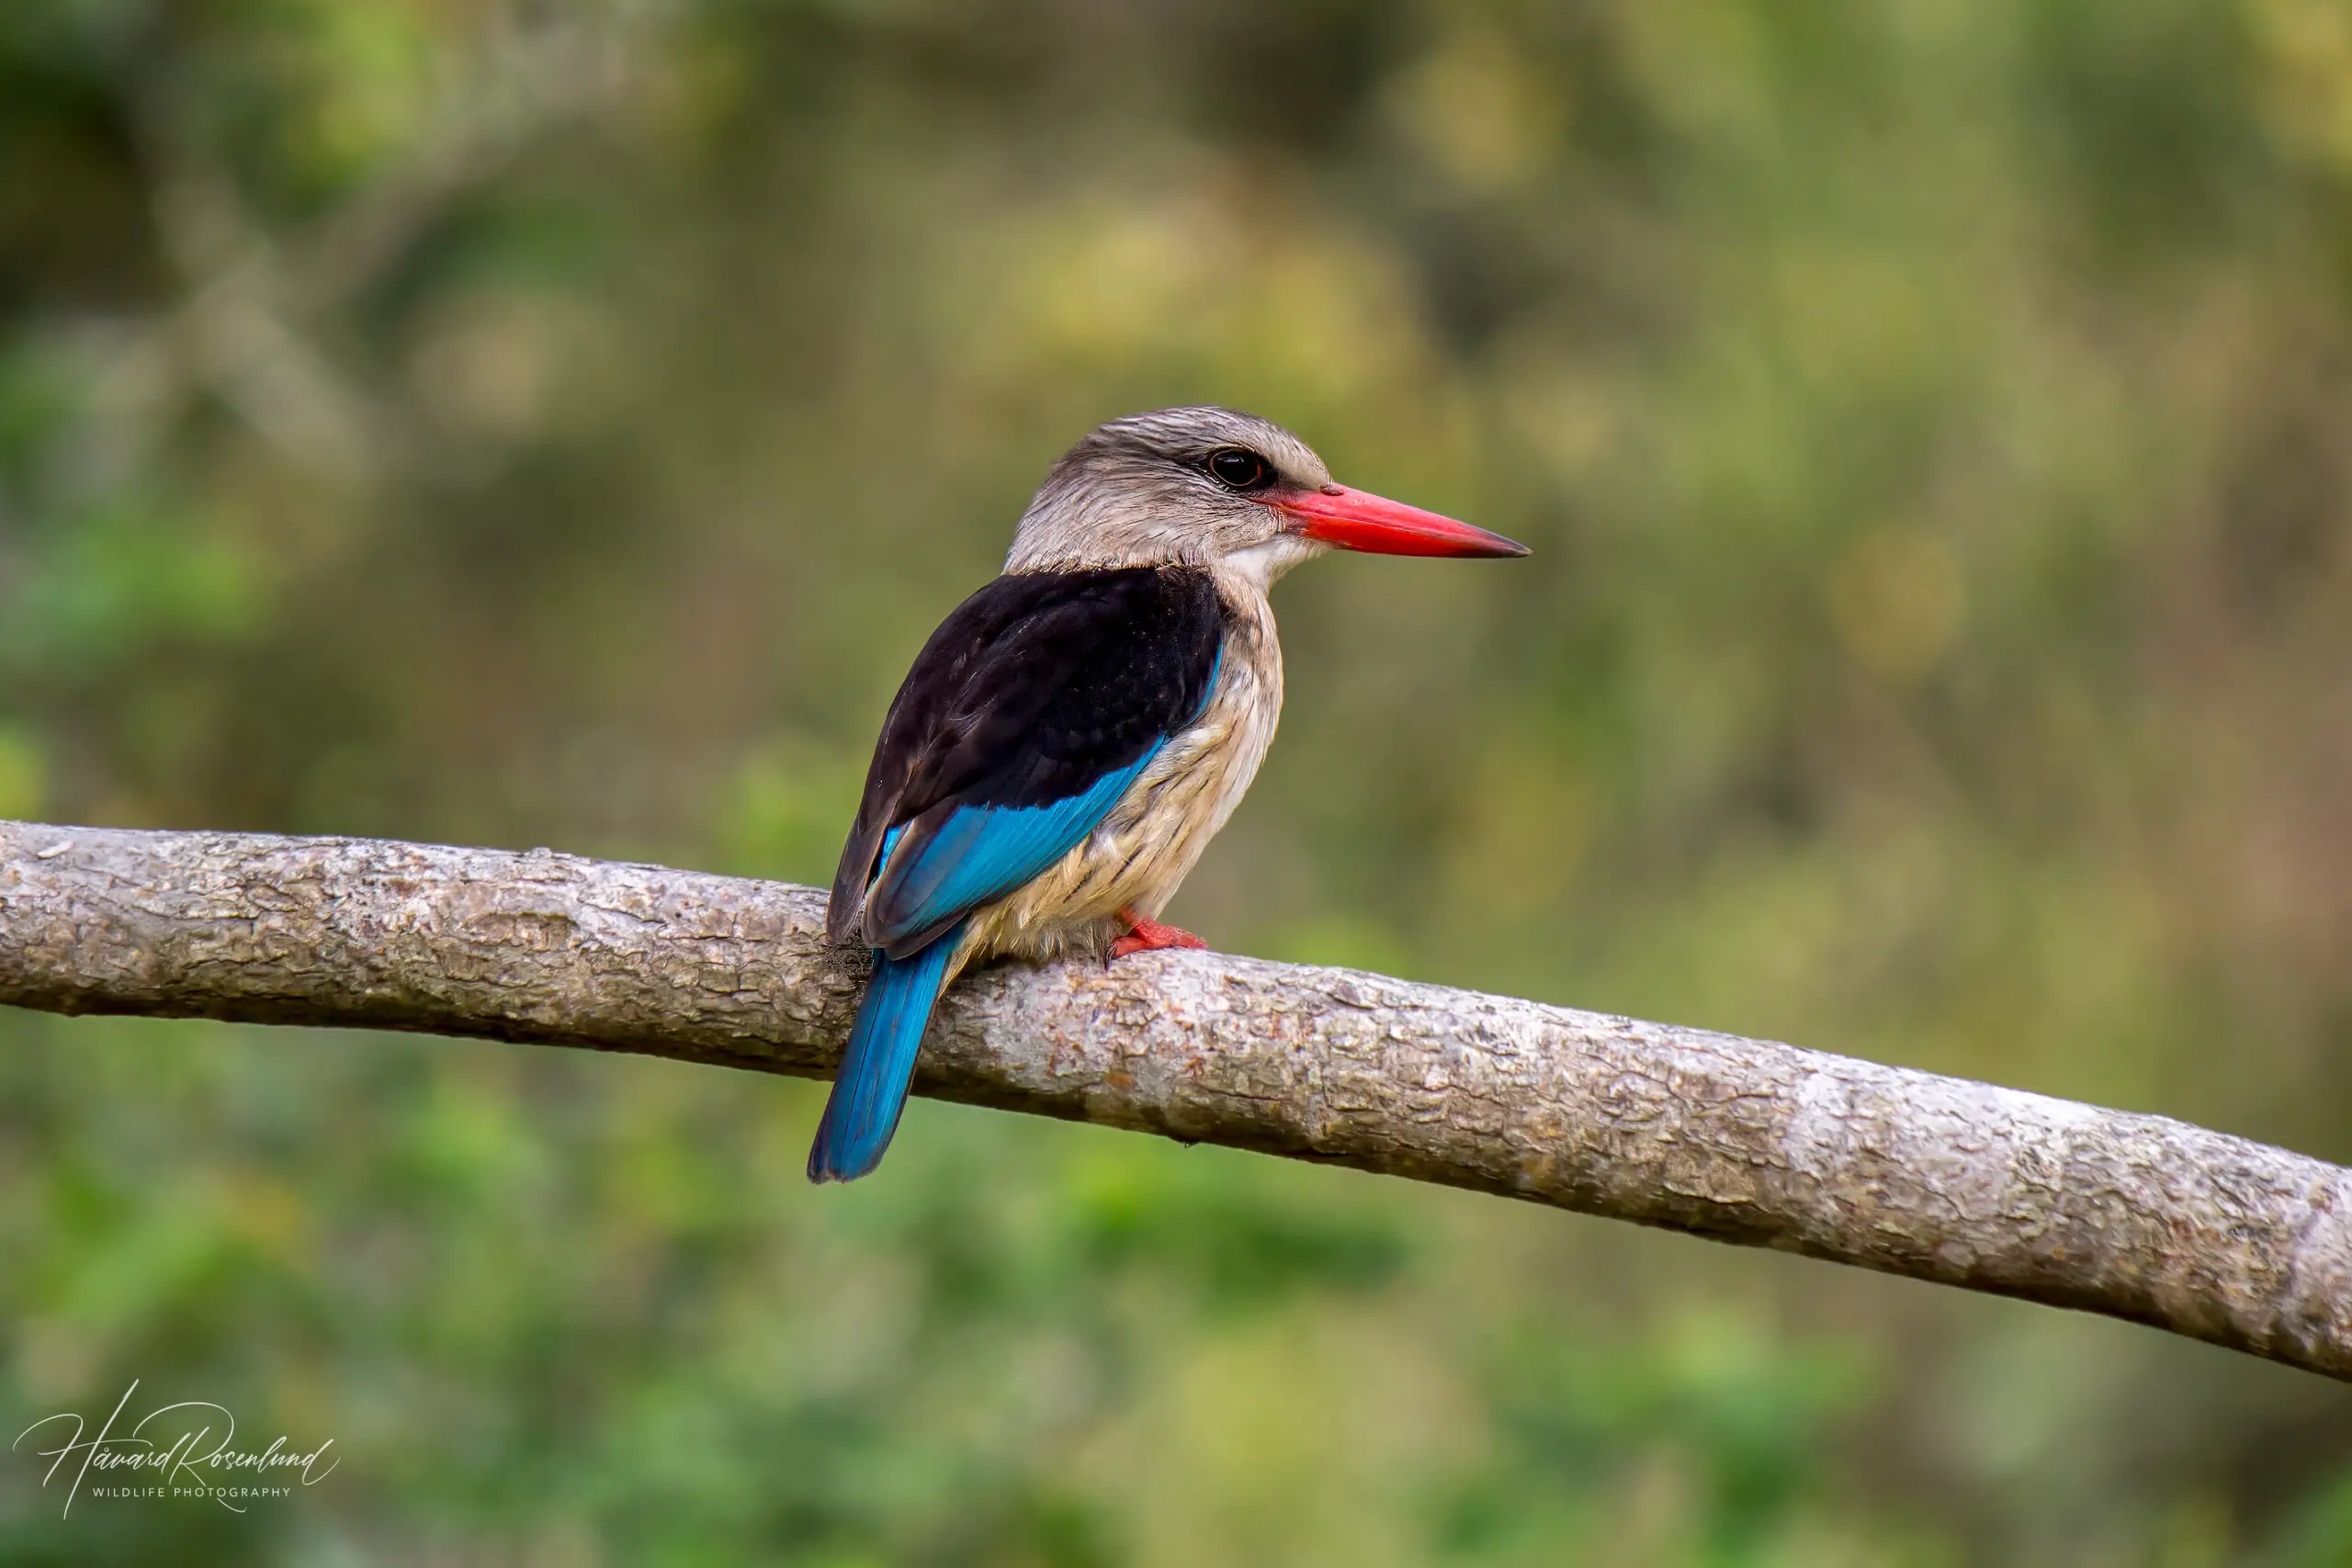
{"type": "Point", "coordinates": [1147, 935]}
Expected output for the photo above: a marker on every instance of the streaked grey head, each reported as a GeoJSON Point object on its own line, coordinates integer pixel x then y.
{"type": "Point", "coordinates": [1178, 485]}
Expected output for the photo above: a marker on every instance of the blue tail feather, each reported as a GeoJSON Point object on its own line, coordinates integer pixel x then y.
{"type": "Point", "coordinates": [879, 1063]}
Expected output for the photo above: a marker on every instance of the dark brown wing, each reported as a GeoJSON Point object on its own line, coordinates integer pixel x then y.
{"type": "Point", "coordinates": [1033, 691]}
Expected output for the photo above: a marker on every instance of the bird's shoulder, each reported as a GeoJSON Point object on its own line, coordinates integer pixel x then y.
{"type": "Point", "coordinates": [1026, 618]}
{"type": "Point", "coordinates": [1048, 659]}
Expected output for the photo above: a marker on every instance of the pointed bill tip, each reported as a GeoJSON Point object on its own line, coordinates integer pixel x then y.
{"type": "Point", "coordinates": [1358, 520]}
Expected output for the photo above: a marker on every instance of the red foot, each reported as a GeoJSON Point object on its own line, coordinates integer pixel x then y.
{"type": "Point", "coordinates": [1150, 936]}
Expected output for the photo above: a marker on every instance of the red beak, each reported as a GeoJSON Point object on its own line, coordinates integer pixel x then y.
{"type": "Point", "coordinates": [1354, 520]}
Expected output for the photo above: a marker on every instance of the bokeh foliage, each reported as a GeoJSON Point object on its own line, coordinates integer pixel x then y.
{"type": "Point", "coordinates": [558, 423]}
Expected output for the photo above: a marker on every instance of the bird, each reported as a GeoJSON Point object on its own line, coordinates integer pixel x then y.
{"type": "Point", "coordinates": [1074, 734]}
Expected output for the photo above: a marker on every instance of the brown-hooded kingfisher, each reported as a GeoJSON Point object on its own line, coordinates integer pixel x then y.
{"type": "Point", "coordinates": [1074, 734]}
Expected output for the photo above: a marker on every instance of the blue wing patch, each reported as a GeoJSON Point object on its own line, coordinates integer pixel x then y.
{"type": "Point", "coordinates": [974, 854]}
{"type": "Point", "coordinates": [978, 854]}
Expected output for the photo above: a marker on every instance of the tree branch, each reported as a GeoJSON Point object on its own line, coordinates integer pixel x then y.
{"type": "Point", "coordinates": [1744, 1140]}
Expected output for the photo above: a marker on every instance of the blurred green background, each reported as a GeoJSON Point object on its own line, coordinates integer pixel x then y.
{"type": "Point", "coordinates": [518, 423]}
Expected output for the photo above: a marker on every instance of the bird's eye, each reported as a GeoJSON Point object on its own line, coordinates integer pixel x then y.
{"type": "Point", "coordinates": [1237, 467]}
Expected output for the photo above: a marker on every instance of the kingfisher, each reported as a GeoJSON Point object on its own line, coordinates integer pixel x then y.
{"type": "Point", "coordinates": [1074, 733]}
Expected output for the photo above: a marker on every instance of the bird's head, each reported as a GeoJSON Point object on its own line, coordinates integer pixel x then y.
{"type": "Point", "coordinates": [1212, 486]}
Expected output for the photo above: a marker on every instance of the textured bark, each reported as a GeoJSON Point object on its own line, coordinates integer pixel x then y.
{"type": "Point", "coordinates": [1746, 1141]}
